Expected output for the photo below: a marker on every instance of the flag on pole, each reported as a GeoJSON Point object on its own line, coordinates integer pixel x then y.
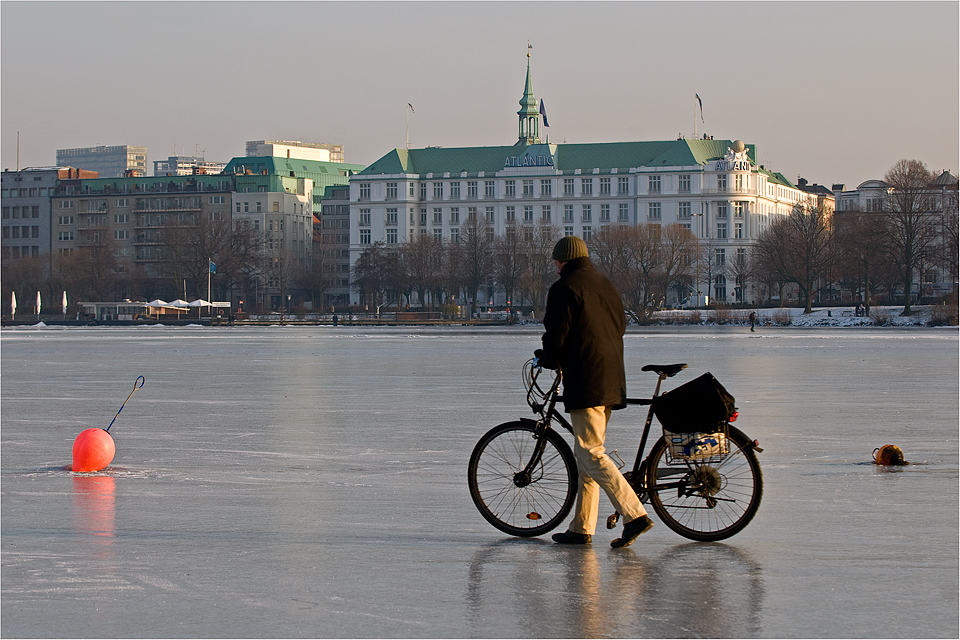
{"type": "Point", "coordinates": [543, 112]}
{"type": "Point", "coordinates": [700, 102]}
{"type": "Point", "coordinates": [38, 303]}
{"type": "Point", "coordinates": [411, 107]}
{"type": "Point", "coordinates": [213, 267]}
{"type": "Point", "coordinates": [64, 305]}
{"type": "Point", "coordinates": [13, 303]}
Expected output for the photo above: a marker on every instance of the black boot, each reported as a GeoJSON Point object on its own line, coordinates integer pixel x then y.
{"type": "Point", "coordinates": [572, 537]}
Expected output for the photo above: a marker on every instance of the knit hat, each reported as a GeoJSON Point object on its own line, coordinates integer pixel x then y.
{"type": "Point", "coordinates": [569, 248]}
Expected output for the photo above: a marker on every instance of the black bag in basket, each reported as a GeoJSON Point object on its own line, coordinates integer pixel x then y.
{"type": "Point", "coordinates": [699, 405]}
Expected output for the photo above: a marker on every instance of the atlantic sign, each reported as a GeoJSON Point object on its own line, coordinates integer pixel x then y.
{"type": "Point", "coordinates": [528, 161]}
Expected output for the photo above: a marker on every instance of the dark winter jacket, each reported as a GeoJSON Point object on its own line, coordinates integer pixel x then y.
{"type": "Point", "coordinates": [584, 324]}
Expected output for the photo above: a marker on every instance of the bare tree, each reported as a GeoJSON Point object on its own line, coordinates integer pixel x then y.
{"type": "Point", "coordinates": [909, 210]}
{"type": "Point", "coordinates": [798, 249]}
{"type": "Point", "coordinates": [509, 261]}
{"type": "Point", "coordinates": [475, 256]}
{"type": "Point", "coordinates": [535, 279]}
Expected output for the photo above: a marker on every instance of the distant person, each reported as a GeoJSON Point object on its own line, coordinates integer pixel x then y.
{"type": "Point", "coordinates": [753, 319]}
{"type": "Point", "coordinates": [584, 323]}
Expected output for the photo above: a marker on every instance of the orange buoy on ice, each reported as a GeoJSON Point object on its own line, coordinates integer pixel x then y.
{"type": "Point", "coordinates": [888, 454]}
{"type": "Point", "coordinates": [93, 450]}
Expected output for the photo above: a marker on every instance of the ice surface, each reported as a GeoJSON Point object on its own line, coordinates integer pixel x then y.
{"type": "Point", "coordinates": [288, 482]}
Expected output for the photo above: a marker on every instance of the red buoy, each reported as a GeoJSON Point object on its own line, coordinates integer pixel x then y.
{"type": "Point", "coordinates": [93, 450]}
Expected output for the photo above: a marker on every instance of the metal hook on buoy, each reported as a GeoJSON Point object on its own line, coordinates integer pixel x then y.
{"type": "Point", "coordinates": [888, 454]}
{"type": "Point", "coordinates": [139, 379]}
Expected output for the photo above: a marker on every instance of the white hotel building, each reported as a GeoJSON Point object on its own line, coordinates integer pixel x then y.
{"type": "Point", "coordinates": [715, 188]}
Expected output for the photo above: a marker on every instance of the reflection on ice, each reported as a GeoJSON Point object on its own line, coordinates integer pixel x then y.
{"type": "Point", "coordinates": [688, 590]}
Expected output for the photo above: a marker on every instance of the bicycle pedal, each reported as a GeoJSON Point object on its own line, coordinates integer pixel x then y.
{"type": "Point", "coordinates": [612, 520]}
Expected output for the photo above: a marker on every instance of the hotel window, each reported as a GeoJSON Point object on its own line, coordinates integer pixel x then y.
{"type": "Point", "coordinates": [364, 236]}
{"type": "Point", "coordinates": [653, 184]}
{"type": "Point", "coordinates": [391, 216]}
{"type": "Point", "coordinates": [121, 218]}
{"type": "Point", "coordinates": [391, 236]}
{"type": "Point", "coordinates": [738, 182]}
{"type": "Point", "coordinates": [684, 211]}
{"type": "Point", "coordinates": [455, 235]}
{"type": "Point", "coordinates": [528, 188]}
{"type": "Point", "coordinates": [587, 233]}
{"type": "Point", "coordinates": [491, 217]}
{"type": "Point", "coordinates": [741, 256]}
{"type": "Point", "coordinates": [121, 234]}
{"type": "Point", "coordinates": [511, 214]}
{"type": "Point", "coordinates": [586, 186]}
{"type": "Point", "coordinates": [489, 189]}
{"type": "Point", "coordinates": [623, 185]}
{"type": "Point", "coordinates": [624, 212]}
{"type": "Point", "coordinates": [568, 231]}
{"type": "Point", "coordinates": [364, 220]}
{"type": "Point", "coordinates": [510, 188]}
{"type": "Point", "coordinates": [568, 186]}
{"type": "Point", "coordinates": [65, 236]}
{"type": "Point", "coordinates": [653, 210]}
{"type": "Point", "coordinates": [604, 186]}
{"type": "Point", "coordinates": [722, 210]}
{"type": "Point", "coordinates": [721, 257]}
{"type": "Point", "coordinates": [720, 287]}
{"type": "Point", "coordinates": [391, 191]}
{"type": "Point", "coordinates": [528, 213]}
{"type": "Point", "coordinates": [683, 183]}
{"type": "Point", "coordinates": [546, 188]}
{"type": "Point", "coordinates": [738, 230]}
{"type": "Point", "coordinates": [64, 220]}
{"type": "Point", "coordinates": [586, 213]}
{"type": "Point", "coordinates": [472, 214]}
{"type": "Point", "coordinates": [412, 189]}
{"type": "Point", "coordinates": [423, 217]}
{"type": "Point", "coordinates": [438, 234]}
{"type": "Point", "coordinates": [455, 190]}
{"type": "Point", "coordinates": [721, 230]}
{"type": "Point", "coordinates": [722, 182]}
{"type": "Point", "coordinates": [423, 190]}
{"type": "Point", "coordinates": [604, 213]}
{"type": "Point", "coordinates": [472, 189]}
{"type": "Point", "coordinates": [454, 215]}
{"type": "Point", "coordinates": [437, 215]}
{"type": "Point", "coordinates": [568, 213]}
{"type": "Point", "coordinates": [545, 213]}
{"type": "Point", "coordinates": [738, 210]}
{"type": "Point", "coordinates": [437, 190]}
{"type": "Point", "coordinates": [364, 191]}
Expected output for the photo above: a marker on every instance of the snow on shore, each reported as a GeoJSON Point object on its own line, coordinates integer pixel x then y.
{"type": "Point", "coordinates": [795, 317]}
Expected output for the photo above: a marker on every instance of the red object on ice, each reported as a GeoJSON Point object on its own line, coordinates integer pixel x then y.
{"type": "Point", "coordinates": [93, 450]}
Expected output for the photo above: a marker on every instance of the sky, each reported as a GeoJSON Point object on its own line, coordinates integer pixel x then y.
{"type": "Point", "coordinates": [830, 91]}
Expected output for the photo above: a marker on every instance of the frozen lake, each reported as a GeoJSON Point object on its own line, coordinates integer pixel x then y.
{"type": "Point", "coordinates": [311, 482]}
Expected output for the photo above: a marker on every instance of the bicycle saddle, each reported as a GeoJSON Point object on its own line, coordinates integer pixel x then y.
{"type": "Point", "coordinates": [668, 370]}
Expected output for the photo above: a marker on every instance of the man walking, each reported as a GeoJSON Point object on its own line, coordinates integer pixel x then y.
{"type": "Point", "coordinates": [584, 324]}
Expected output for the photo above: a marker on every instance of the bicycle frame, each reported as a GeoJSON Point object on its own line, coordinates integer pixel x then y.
{"type": "Point", "coordinates": [547, 411]}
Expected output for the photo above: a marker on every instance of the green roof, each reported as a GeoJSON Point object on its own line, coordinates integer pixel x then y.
{"type": "Point", "coordinates": [283, 166]}
{"type": "Point", "coordinates": [567, 157]}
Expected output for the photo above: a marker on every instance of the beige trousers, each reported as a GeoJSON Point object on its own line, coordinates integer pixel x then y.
{"type": "Point", "coordinates": [597, 471]}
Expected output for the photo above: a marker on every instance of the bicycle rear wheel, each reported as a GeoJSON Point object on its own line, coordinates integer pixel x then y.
{"type": "Point", "coordinates": [514, 506]}
{"type": "Point", "coordinates": [706, 500]}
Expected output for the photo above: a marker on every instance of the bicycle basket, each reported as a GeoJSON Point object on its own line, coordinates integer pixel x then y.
{"type": "Point", "coordinates": [705, 447]}
{"type": "Point", "coordinates": [697, 406]}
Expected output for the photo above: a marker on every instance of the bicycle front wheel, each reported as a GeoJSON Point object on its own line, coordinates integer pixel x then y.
{"type": "Point", "coordinates": [706, 500]}
{"type": "Point", "coordinates": [522, 506]}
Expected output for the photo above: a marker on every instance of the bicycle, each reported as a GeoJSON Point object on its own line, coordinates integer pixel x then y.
{"type": "Point", "coordinates": [705, 486]}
